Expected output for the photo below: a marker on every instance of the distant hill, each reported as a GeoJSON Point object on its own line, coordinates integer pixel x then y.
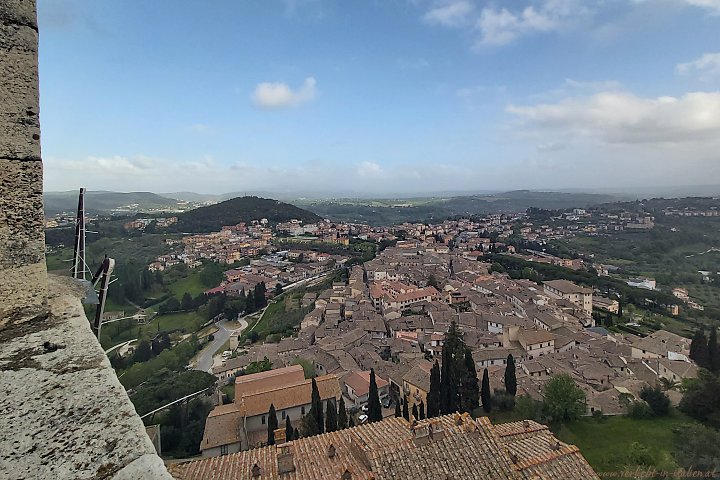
{"type": "Point", "coordinates": [104, 202]}
{"type": "Point", "coordinates": [384, 212]}
{"type": "Point", "coordinates": [241, 209]}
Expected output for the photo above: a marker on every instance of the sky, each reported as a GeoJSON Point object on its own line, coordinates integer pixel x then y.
{"type": "Point", "coordinates": [379, 97]}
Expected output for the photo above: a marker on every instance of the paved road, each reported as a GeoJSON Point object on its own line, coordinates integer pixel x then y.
{"type": "Point", "coordinates": [205, 358]}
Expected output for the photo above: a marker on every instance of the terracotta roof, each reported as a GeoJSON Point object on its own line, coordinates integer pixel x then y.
{"type": "Point", "coordinates": [360, 382]}
{"type": "Point", "coordinates": [566, 286]}
{"type": "Point", "coordinates": [535, 336]}
{"type": "Point", "coordinates": [459, 448]}
{"type": "Point", "coordinates": [287, 396]}
{"type": "Point", "coordinates": [257, 382]}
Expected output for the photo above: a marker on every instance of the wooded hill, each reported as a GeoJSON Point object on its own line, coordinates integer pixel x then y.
{"type": "Point", "coordinates": [237, 210]}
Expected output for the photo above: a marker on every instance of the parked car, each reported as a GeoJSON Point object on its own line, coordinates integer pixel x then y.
{"type": "Point", "coordinates": [387, 402]}
{"type": "Point", "coordinates": [364, 408]}
{"type": "Point", "coordinates": [363, 418]}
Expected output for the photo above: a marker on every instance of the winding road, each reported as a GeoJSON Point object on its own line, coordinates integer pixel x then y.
{"type": "Point", "coordinates": [205, 357]}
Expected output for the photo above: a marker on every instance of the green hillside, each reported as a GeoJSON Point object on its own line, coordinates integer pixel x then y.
{"type": "Point", "coordinates": [241, 209]}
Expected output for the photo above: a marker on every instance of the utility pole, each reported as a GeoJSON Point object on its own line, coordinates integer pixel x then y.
{"type": "Point", "coordinates": [78, 268]}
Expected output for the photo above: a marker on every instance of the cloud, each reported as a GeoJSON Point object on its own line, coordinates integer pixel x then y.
{"type": "Point", "coordinates": [623, 118]}
{"type": "Point", "coordinates": [707, 67]}
{"type": "Point", "coordinates": [495, 26]}
{"type": "Point", "coordinates": [276, 95]}
{"type": "Point", "coordinates": [452, 14]}
{"type": "Point", "coordinates": [367, 169]}
{"type": "Point", "coordinates": [708, 4]}
{"type": "Point", "coordinates": [501, 26]}
{"type": "Point", "coordinates": [198, 128]}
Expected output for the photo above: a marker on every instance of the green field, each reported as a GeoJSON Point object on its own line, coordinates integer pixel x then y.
{"type": "Point", "coordinates": [618, 442]}
{"type": "Point", "coordinates": [190, 284]}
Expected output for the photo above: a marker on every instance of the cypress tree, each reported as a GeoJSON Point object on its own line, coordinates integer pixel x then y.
{"type": "Point", "coordinates": [699, 348]}
{"type": "Point", "coordinates": [470, 389]}
{"type": "Point", "coordinates": [713, 351]}
{"type": "Point", "coordinates": [485, 392]}
{"type": "Point", "coordinates": [272, 424]}
{"type": "Point", "coordinates": [433, 398]}
{"type": "Point", "coordinates": [296, 434]}
{"type": "Point", "coordinates": [422, 411]}
{"type": "Point", "coordinates": [316, 408]}
{"type": "Point", "coordinates": [510, 379]}
{"type": "Point", "coordinates": [374, 408]}
{"type": "Point", "coordinates": [446, 383]}
{"type": "Point", "coordinates": [331, 419]}
{"type": "Point", "coordinates": [406, 412]}
{"type": "Point", "coordinates": [415, 413]}
{"type": "Point", "coordinates": [289, 432]}
{"type": "Point", "coordinates": [351, 423]}
{"type": "Point", "coordinates": [398, 413]}
{"type": "Point", "coordinates": [342, 422]}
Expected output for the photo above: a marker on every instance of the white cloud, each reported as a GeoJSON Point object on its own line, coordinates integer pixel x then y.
{"type": "Point", "coordinates": [501, 26]}
{"type": "Point", "coordinates": [367, 169]}
{"type": "Point", "coordinates": [707, 67]}
{"type": "Point", "coordinates": [198, 128]}
{"type": "Point", "coordinates": [276, 95]}
{"type": "Point", "coordinates": [617, 117]}
{"type": "Point", "coordinates": [452, 14]}
{"type": "Point", "coordinates": [495, 26]}
{"type": "Point", "coordinates": [708, 4]}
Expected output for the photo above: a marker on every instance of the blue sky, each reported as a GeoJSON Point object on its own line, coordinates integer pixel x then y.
{"type": "Point", "coordinates": [379, 97]}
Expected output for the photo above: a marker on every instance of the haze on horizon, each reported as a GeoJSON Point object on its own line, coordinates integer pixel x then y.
{"type": "Point", "coordinates": [384, 98]}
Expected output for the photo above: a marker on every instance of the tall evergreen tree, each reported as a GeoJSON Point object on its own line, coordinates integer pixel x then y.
{"type": "Point", "coordinates": [374, 408]}
{"type": "Point", "coordinates": [485, 392]}
{"type": "Point", "coordinates": [510, 379]}
{"type": "Point", "coordinates": [272, 425]}
{"type": "Point", "coordinates": [342, 422]}
{"type": "Point", "coordinates": [713, 351]}
{"type": "Point", "coordinates": [316, 408]}
{"type": "Point", "coordinates": [415, 413]}
{"type": "Point", "coordinates": [421, 411]}
{"type": "Point", "coordinates": [699, 348]}
{"type": "Point", "coordinates": [289, 432]}
{"type": "Point", "coordinates": [331, 419]}
{"type": "Point", "coordinates": [398, 412]}
{"type": "Point", "coordinates": [433, 398]}
{"type": "Point", "coordinates": [451, 377]}
{"type": "Point", "coordinates": [351, 423]}
{"type": "Point", "coordinates": [406, 412]}
{"type": "Point", "coordinates": [470, 389]}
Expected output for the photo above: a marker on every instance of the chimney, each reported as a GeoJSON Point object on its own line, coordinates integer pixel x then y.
{"type": "Point", "coordinates": [421, 436]}
{"type": "Point", "coordinates": [526, 424]}
{"type": "Point", "coordinates": [285, 460]}
{"type": "Point", "coordinates": [255, 470]}
{"type": "Point", "coordinates": [331, 451]}
{"type": "Point", "coordinates": [346, 475]}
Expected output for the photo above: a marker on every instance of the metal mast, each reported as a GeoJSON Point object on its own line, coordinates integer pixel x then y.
{"type": "Point", "coordinates": [78, 268]}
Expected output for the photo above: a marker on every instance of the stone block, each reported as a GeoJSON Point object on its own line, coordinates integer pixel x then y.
{"type": "Point", "coordinates": [21, 12]}
{"type": "Point", "coordinates": [19, 111]}
{"type": "Point", "coordinates": [65, 410]}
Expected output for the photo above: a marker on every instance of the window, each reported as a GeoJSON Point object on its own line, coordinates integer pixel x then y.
{"type": "Point", "coordinates": [302, 410]}
{"type": "Point", "coordinates": [263, 419]}
{"type": "Point", "coordinates": [224, 450]}
{"type": "Point", "coordinates": [283, 414]}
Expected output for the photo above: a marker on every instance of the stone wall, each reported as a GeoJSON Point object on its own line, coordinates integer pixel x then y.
{"type": "Point", "coordinates": [63, 412]}
{"type": "Point", "coordinates": [23, 275]}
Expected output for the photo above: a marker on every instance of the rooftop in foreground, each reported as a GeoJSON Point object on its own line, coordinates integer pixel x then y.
{"type": "Point", "coordinates": [448, 447]}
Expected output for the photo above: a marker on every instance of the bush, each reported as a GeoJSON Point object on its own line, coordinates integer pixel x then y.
{"type": "Point", "coordinates": [503, 401]}
{"type": "Point", "coordinates": [640, 410]}
{"type": "Point", "coordinates": [657, 400]}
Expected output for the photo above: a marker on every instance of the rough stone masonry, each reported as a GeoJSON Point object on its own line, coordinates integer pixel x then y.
{"type": "Point", "coordinates": [23, 275]}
